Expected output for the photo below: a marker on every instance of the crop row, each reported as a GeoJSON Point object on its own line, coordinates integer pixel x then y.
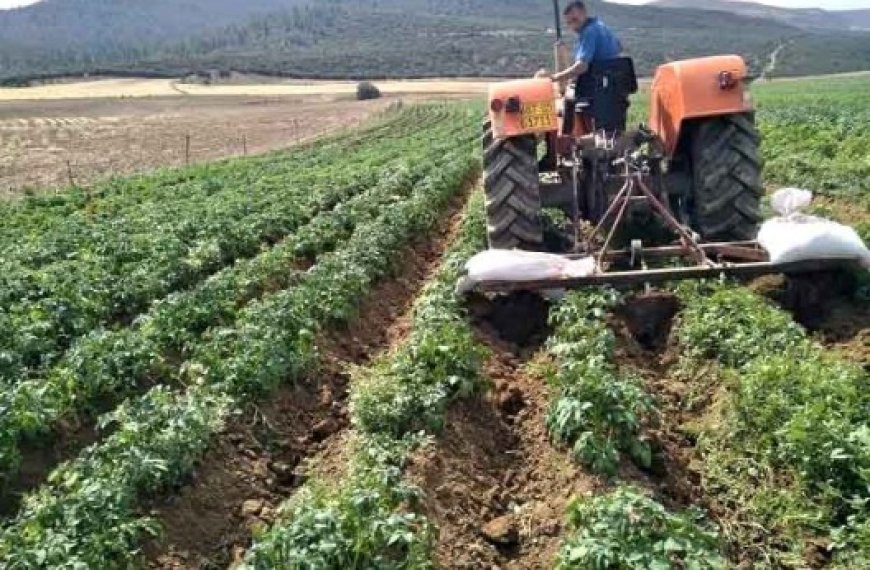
{"type": "Point", "coordinates": [106, 365]}
{"type": "Point", "coordinates": [129, 261]}
{"type": "Point", "coordinates": [600, 411]}
{"type": "Point", "coordinates": [368, 521]}
{"type": "Point", "coordinates": [786, 448]}
{"type": "Point", "coordinates": [47, 236]}
{"type": "Point", "coordinates": [783, 449]}
{"type": "Point", "coordinates": [86, 515]}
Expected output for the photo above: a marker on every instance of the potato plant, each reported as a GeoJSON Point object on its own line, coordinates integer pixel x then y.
{"type": "Point", "coordinates": [599, 411]}
{"type": "Point", "coordinates": [109, 364]}
{"type": "Point", "coordinates": [815, 136]}
{"type": "Point", "coordinates": [627, 529]}
{"type": "Point", "coordinates": [105, 268]}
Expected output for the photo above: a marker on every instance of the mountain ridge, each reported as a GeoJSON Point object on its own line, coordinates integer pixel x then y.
{"type": "Point", "coordinates": [807, 18]}
{"type": "Point", "coordinates": [379, 38]}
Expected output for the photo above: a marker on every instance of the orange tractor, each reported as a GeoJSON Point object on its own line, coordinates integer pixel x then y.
{"type": "Point", "coordinates": [696, 168]}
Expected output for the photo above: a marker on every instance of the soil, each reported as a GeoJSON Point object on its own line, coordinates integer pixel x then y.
{"type": "Point", "coordinates": [647, 347]}
{"type": "Point", "coordinates": [494, 485]}
{"type": "Point", "coordinates": [825, 305]}
{"type": "Point", "coordinates": [846, 330]}
{"type": "Point", "coordinates": [263, 457]}
{"type": "Point", "coordinates": [37, 461]}
{"type": "Point", "coordinates": [236, 85]}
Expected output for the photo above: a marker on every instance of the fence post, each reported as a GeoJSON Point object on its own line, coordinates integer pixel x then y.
{"type": "Point", "coordinates": [69, 173]}
{"type": "Point", "coordinates": [187, 149]}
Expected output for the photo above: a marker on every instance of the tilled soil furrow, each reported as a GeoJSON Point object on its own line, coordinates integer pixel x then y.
{"type": "Point", "coordinates": [652, 355]}
{"type": "Point", "coordinates": [493, 483]}
{"type": "Point", "coordinates": [268, 451]}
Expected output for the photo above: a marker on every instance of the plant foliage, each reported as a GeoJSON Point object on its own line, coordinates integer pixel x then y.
{"type": "Point", "coordinates": [626, 529]}
{"type": "Point", "coordinates": [787, 449]}
{"type": "Point", "coordinates": [599, 411]}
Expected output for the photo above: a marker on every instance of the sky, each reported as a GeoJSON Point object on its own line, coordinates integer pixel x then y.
{"type": "Point", "coordinates": [15, 3]}
{"type": "Point", "coordinates": [830, 4]}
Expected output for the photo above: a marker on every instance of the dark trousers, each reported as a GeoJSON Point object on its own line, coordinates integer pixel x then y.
{"type": "Point", "coordinates": [607, 86]}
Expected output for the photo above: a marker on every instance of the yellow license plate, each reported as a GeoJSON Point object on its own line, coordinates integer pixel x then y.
{"type": "Point", "coordinates": [536, 116]}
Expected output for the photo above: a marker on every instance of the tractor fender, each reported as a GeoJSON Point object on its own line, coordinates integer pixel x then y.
{"type": "Point", "coordinates": [522, 107]}
{"type": "Point", "coordinates": [697, 88]}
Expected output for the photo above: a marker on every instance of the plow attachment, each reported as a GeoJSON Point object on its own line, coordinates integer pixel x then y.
{"type": "Point", "coordinates": [595, 265]}
{"type": "Point", "coordinates": [740, 260]}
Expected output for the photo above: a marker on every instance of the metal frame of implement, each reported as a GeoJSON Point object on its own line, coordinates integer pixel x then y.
{"type": "Point", "coordinates": [711, 260]}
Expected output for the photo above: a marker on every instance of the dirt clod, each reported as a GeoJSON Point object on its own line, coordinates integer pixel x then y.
{"type": "Point", "coordinates": [252, 507]}
{"type": "Point", "coordinates": [502, 531]}
{"type": "Point", "coordinates": [284, 472]}
{"type": "Point", "coordinates": [511, 401]}
{"type": "Point", "coordinates": [325, 428]}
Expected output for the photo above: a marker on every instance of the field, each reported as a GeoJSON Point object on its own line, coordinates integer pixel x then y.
{"type": "Point", "coordinates": [83, 132]}
{"type": "Point", "coordinates": [262, 363]}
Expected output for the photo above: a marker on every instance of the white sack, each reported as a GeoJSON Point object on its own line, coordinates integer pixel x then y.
{"type": "Point", "coordinates": [521, 266]}
{"type": "Point", "coordinates": [798, 237]}
{"type": "Point", "coordinates": [788, 201]}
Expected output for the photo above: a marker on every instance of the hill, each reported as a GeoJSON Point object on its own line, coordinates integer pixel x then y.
{"type": "Point", "coordinates": [807, 18]}
{"type": "Point", "coordinates": [378, 38]}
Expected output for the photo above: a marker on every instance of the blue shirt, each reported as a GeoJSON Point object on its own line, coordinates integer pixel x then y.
{"type": "Point", "coordinates": [596, 42]}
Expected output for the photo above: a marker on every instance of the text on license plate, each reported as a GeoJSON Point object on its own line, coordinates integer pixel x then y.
{"type": "Point", "coordinates": [536, 116]}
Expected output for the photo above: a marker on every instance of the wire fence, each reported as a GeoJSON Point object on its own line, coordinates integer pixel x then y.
{"type": "Point", "coordinates": [34, 162]}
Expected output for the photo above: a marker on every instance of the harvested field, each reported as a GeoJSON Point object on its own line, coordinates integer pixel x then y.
{"type": "Point", "coordinates": [124, 88]}
{"type": "Point", "coordinates": [57, 143]}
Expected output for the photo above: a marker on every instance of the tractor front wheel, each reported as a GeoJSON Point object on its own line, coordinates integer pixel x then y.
{"type": "Point", "coordinates": [513, 199]}
{"type": "Point", "coordinates": [726, 178]}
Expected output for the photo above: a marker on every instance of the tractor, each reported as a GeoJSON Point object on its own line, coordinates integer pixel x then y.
{"type": "Point", "coordinates": [695, 169]}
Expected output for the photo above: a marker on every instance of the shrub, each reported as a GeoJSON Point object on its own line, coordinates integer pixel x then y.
{"type": "Point", "coordinates": [366, 90]}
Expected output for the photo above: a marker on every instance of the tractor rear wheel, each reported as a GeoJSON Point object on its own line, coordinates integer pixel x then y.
{"type": "Point", "coordinates": [513, 198]}
{"type": "Point", "coordinates": [726, 178]}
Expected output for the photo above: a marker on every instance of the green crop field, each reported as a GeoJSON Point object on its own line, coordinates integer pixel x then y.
{"type": "Point", "coordinates": [263, 363]}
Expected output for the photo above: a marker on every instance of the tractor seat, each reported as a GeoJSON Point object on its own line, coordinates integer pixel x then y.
{"type": "Point", "coordinates": [602, 95]}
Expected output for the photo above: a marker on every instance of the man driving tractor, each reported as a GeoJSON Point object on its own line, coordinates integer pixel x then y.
{"type": "Point", "coordinates": [596, 43]}
{"type": "Point", "coordinates": [601, 79]}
